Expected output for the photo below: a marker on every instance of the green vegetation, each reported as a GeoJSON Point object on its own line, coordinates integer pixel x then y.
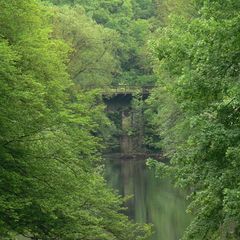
{"type": "Point", "coordinates": [196, 112]}
{"type": "Point", "coordinates": [92, 60]}
{"type": "Point", "coordinates": [51, 185]}
{"type": "Point", "coordinates": [57, 55]}
{"type": "Point", "coordinates": [131, 23]}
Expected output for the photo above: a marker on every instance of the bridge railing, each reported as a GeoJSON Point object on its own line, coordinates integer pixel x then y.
{"type": "Point", "coordinates": [128, 89]}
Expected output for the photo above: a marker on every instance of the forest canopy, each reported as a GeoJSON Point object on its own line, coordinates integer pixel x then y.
{"type": "Point", "coordinates": [51, 181]}
{"type": "Point", "coordinates": [195, 109]}
{"type": "Point", "coordinates": [57, 55]}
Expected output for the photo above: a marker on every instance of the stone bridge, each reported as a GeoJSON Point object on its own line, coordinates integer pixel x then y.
{"type": "Point", "coordinates": [125, 89]}
{"type": "Point", "coordinates": [128, 119]}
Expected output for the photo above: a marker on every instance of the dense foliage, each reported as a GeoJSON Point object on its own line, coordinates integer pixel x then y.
{"type": "Point", "coordinates": [92, 61]}
{"type": "Point", "coordinates": [132, 21]}
{"type": "Point", "coordinates": [51, 184]}
{"type": "Point", "coordinates": [196, 111]}
{"type": "Point", "coordinates": [52, 131]}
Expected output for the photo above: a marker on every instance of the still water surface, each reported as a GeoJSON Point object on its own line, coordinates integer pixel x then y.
{"type": "Point", "coordinates": [154, 201]}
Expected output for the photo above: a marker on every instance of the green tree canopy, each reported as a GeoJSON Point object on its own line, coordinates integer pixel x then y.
{"type": "Point", "coordinates": [92, 61]}
{"type": "Point", "coordinates": [196, 111]}
{"type": "Point", "coordinates": [51, 182]}
{"type": "Point", "coordinates": [132, 20]}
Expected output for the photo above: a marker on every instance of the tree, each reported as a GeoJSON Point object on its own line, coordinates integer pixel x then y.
{"type": "Point", "coordinates": [166, 8]}
{"type": "Point", "coordinates": [133, 23]}
{"type": "Point", "coordinates": [197, 115]}
{"type": "Point", "coordinates": [92, 61]}
{"type": "Point", "coordinates": [51, 184]}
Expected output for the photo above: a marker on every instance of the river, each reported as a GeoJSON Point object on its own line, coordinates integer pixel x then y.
{"type": "Point", "coordinates": [153, 200]}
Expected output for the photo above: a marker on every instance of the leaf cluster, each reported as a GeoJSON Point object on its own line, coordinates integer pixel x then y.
{"type": "Point", "coordinates": [195, 110]}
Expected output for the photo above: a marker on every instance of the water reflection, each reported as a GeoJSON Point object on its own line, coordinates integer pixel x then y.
{"type": "Point", "coordinates": [154, 200]}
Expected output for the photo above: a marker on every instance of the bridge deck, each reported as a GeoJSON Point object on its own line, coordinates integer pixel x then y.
{"type": "Point", "coordinates": [127, 90]}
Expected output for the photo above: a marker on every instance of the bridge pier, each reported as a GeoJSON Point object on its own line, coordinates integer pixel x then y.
{"type": "Point", "coordinates": [129, 123]}
{"type": "Point", "coordinates": [126, 140]}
